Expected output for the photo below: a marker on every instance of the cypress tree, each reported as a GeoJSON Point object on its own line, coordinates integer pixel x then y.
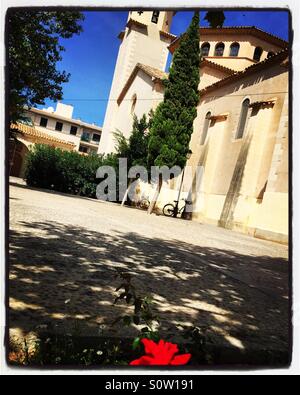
{"type": "Point", "coordinates": [172, 124]}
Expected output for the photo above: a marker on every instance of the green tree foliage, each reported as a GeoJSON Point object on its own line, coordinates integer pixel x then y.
{"type": "Point", "coordinates": [121, 145]}
{"type": "Point", "coordinates": [172, 123]}
{"type": "Point", "coordinates": [215, 18]}
{"type": "Point", "coordinates": [63, 171]}
{"type": "Point", "coordinates": [138, 142]}
{"type": "Point", "coordinates": [34, 49]}
{"type": "Point", "coordinates": [135, 149]}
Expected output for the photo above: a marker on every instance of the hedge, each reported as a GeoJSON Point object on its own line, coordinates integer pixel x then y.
{"type": "Point", "coordinates": [63, 171]}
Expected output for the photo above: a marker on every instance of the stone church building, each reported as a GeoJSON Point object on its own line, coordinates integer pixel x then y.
{"type": "Point", "coordinates": [240, 136]}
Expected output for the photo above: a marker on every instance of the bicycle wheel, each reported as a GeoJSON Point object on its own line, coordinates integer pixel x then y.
{"type": "Point", "coordinates": [144, 204]}
{"type": "Point", "coordinates": [168, 210]}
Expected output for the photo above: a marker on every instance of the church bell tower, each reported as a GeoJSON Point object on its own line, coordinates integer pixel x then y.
{"type": "Point", "coordinates": [145, 40]}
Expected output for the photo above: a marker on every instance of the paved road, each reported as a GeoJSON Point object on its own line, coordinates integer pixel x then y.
{"type": "Point", "coordinates": [64, 251]}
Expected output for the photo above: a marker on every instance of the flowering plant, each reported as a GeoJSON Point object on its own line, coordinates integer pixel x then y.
{"type": "Point", "coordinates": [161, 353]}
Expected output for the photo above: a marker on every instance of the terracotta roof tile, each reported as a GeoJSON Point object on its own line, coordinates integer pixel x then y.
{"type": "Point", "coordinates": [152, 71]}
{"type": "Point", "coordinates": [168, 34]}
{"type": "Point", "coordinates": [121, 35]}
{"type": "Point", "coordinates": [149, 70]}
{"type": "Point", "coordinates": [31, 131]}
{"type": "Point", "coordinates": [238, 30]}
{"type": "Point", "coordinates": [209, 63]}
{"type": "Point", "coordinates": [133, 22]}
{"type": "Point", "coordinates": [247, 29]}
{"type": "Point", "coordinates": [279, 57]}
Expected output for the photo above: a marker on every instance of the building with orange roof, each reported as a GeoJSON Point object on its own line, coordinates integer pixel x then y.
{"type": "Point", "coordinates": [51, 127]}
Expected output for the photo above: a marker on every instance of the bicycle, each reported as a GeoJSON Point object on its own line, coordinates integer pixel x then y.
{"type": "Point", "coordinates": [172, 210]}
{"type": "Point", "coordinates": [143, 204]}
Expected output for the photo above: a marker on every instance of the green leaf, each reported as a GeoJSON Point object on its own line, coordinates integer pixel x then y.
{"type": "Point", "coordinates": [154, 336]}
{"type": "Point", "coordinates": [136, 343]}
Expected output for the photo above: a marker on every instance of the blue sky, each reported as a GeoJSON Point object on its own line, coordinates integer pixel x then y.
{"type": "Point", "coordinates": [90, 57]}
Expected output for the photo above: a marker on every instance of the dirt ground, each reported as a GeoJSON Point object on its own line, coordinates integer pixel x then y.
{"type": "Point", "coordinates": [64, 252]}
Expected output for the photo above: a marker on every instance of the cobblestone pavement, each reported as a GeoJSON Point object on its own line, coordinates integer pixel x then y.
{"type": "Point", "coordinates": [64, 252]}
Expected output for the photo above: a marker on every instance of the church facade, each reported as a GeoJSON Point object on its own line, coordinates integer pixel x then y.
{"type": "Point", "coordinates": [240, 137]}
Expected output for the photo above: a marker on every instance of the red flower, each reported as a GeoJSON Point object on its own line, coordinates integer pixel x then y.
{"type": "Point", "coordinates": [161, 354]}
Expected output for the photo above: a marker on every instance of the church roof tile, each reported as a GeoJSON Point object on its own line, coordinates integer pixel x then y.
{"type": "Point", "coordinates": [149, 70]}
{"type": "Point", "coordinates": [252, 30]}
{"type": "Point", "coordinates": [278, 57]}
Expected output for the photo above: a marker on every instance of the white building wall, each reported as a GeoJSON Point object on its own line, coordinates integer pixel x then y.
{"type": "Point", "coordinates": [64, 134]}
{"type": "Point", "coordinates": [143, 88]}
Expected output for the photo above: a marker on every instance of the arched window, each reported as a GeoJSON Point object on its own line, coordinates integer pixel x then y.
{"type": "Point", "coordinates": [219, 49]}
{"type": "Point", "coordinates": [234, 49]}
{"type": "Point", "coordinates": [133, 104]}
{"type": "Point", "coordinates": [243, 119]}
{"type": "Point", "coordinates": [205, 49]}
{"type": "Point", "coordinates": [205, 128]}
{"type": "Point", "coordinates": [257, 53]}
{"type": "Point", "coordinates": [270, 54]}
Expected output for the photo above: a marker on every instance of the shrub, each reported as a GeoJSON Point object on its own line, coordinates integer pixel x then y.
{"type": "Point", "coordinates": [63, 171]}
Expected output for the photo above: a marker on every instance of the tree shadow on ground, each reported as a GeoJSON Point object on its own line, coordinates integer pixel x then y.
{"type": "Point", "coordinates": [64, 276]}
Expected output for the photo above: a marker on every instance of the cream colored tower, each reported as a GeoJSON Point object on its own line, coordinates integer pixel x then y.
{"type": "Point", "coordinates": [145, 40]}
